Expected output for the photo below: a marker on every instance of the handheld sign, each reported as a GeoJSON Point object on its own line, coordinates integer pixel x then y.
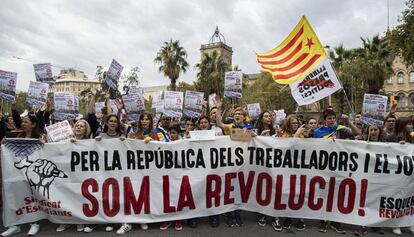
{"type": "Point", "coordinates": [113, 74]}
{"type": "Point", "coordinates": [193, 104]}
{"type": "Point", "coordinates": [233, 84]}
{"type": "Point", "coordinates": [37, 94]}
{"type": "Point", "coordinates": [8, 85]}
{"type": "Point", "coordinates": [43, 72]}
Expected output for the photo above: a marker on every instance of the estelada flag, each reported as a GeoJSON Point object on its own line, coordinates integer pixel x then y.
{"type": "Point", "coordinates": [298, 54]}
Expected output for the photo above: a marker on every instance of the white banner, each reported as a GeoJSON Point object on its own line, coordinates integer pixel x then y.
{"type": "Point", "coordinates": [43, 72]}
{"type": "Point", "coordinates": [373, 109]}
{"type": "Point", "coordinates": [37, 93]}
{"type": "Point", "coordinates": [317, 85]}
{"type": "Point", "coordinates": [114, 181]}
{"type": "Point", "coordinates": [280, 115]}
{"type": "Point", "coordinates": [233, 84]}
{"type": "Point", "coordinates": [113, 74]}
{"type": "Point", "coordinates": [193, 103]}
{"type": "Point", "coordinates": [66, 105]}
{"type": "Point", "coordinates": [8, 85]}
{"type": "Point", "coordinates": [253, 110]}
{"type": "Point", "coordinates": [173, 104]}
{"type": "Point", "coordinates": [59, 131]}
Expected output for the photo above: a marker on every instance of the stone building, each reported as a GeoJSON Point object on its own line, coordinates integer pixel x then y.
{"type": "Point", "coordinates": [74, 81]}
{"type": "Point", "coordinates": [401, 85]}
{"type": "Point", "coordinates": [217, 42]}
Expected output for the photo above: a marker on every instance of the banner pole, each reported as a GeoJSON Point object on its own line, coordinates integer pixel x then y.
{"type": "Point", "coordinates": [342, 88]}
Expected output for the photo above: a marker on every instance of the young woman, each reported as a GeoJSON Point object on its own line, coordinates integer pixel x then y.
{"type": "Point", "coordinates": [113, 129]}
{"type": "Point", "coordinates": [30, 128]}
{"type": "Point", "coordinates": [291, 127]}
{"type": "Point", "coordinates": [82, 130]}
{"type": "Point", "coordinates": [371, 133]}
{"type": "Point", "coordinates": [174, 133]}
{"type": "Point", "coordinates": [264, 124]}
{"type": "Point", "coordinates": [145, 132]}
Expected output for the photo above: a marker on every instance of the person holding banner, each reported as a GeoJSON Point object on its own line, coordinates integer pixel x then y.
{"type": "Point", "coordinates": [30, 128]}
{"type": "Point", "coordinates": [174, 135]}
{"type": "Point", "coordinates": [113, 129]}
{"type": "Point", "coordinates": [403, 134]}
{"type": "Point", "coordinates": [239, 117]}
{"type": "Point", "coordinates": [389, 127]}
{"type": "Point", "coordinates": [145, 132]}
{"type": "Point", "coordinates": [332, 130]}
{"type": "Point", "coordinates": [82, 130]}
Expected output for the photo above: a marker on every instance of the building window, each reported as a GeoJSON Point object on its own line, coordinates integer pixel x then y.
{"type": "Point", "coordinates": [411, 101]}
{"type": "Point", "coordinates": [401, 101]}
{"type": "Point", "coordinates": [389, 80]}
{"type": "Point", "coordinates": [400, 77]}
{"type": "Point", "coordinates": [411, 76]}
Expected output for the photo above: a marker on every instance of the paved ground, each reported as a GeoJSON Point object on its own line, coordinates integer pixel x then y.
{"type": "Point", "coordinates": [250, 228]}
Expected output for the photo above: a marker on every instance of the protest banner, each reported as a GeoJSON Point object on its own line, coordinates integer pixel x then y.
{"type": "Point", "coordinates": [8, 85]}
{"type": "Point", "coordinates": [113, 74]}
{"type": "Point", "coordinates": [134, 105]}
{"type": "Point", "coordinates": [211, 100]}
{"type": "Point", "coordinates": [43, 72]}
{"type": "Point", "coordinates": [173, 104]}
{"type": "Point", "coordinates": [233, 84]}
{"type": "Point", "coordinates": [193, 104]}
{"type": "Point", "coordinates": [114, 181]}
{"type": "Point", "coordinates": [373, 109]}
{"type": "Point", "coordinates": [253, 110]}
{"type": "Point", "coordinates": [37, 93]}
{"type": "Point", "coordinates": [318, 84]}
{"type": "Point", "coordinates": [59, 131]}
{"type": "Point", "coordinates": [66, 105]}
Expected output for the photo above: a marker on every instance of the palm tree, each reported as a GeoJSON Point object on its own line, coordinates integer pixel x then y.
{"type": "Point", "coordinates": [172, 61]}
{"type": "Point", "coordinates": [210, 75]}
{"type": "Point", "coordinates": [375, 60]}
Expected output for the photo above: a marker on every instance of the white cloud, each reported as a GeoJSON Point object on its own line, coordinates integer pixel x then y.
{"type": "Point", "coordinates": [83, 34]}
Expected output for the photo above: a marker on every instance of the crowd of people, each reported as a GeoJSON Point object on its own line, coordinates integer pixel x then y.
{"type": "Point", "coordinates": [107, 125]}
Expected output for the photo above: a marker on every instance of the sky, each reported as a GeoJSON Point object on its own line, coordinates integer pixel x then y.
{"type": "Point", "coordinates": [83, 34]}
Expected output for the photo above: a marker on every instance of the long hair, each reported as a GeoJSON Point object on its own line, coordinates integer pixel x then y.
{"type": "Point", "coordinates": [140, 133]}
{"type": "Point", "coordinates": [287, 124]}
{"type": "Point", "coordinates": [366, 137]}
{"type": "Point", "coordinates": [119, 128]}
{"type": "Point", "coordinates": [400, 131]}
{"type": "Point", "coordinates": [35, 133]}
{"type": "Point", "coordinates": [260, 125]}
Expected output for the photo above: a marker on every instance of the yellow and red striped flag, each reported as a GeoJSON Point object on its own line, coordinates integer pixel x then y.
{"type": "Point", "coordinates": [298, 54]}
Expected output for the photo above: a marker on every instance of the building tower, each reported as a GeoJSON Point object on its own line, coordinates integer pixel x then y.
{"type": "Point", "coordinates": [217, 42]}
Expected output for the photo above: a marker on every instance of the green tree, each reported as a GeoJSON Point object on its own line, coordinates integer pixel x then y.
{"type": "Point", "coordinates": [269, 94]}
{"type": "Point", "coordinates": [172, 61]}
{"type": "Point", "coordinates": [130, 79]}
{"type": "Point", "coordinates": [374, 61]}
{"type": "Point", "coordinates": [401, 38]}
{"type": "Point", "coordinates": [184, 86]}
{"type": "Point", "coordinates": [210, 75]}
